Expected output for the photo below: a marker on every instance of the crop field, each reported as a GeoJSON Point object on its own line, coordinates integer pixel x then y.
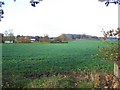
{"type": "Point", "coordinates": [29, 65]}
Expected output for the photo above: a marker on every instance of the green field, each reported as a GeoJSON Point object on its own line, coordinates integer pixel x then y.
{"type": "Point", "coordinates": [24, 63]}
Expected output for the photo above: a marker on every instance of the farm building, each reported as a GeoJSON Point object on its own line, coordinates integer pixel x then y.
{"type": "Point", "coordinates": [109, 38]}
{"type": "Point", "coordinates": [79, 37]}
{"type": "Point", "coordinates": [32, 39]}
{"type": "Point", "coordinates": [7, 42]}
{"type": "Point", "coordinates": [8, 39]}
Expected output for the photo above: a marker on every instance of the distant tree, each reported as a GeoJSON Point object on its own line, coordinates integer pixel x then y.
{"type": "Point", "coordinates": [73, 37]}
{"type": "Point", "coordinates": [18, 36]}
{"type": "Point", "coordinates": [27, 39]}
{"type": "Point", "coordinates": [6, 33]}
{"type": "Point", "coordinates": [62, 38]}
{"type": "Point", "coordinates": [37, 38]}
{"type": "Point", "coordinates": [40, 39]}
{"type": "Point", "coordinates": [57, 39]}
{"type": "Point", "coordinates": [46, 38]}
{"type": "Point", "coordinates": [21, 39]}
{"type": "Point", "coordinates": [8, 38]}
{"type": "Point", "coordinates": [9, 35]}
{"type": "Point", "coordinates": [84, 36]}
{"type": "Point", "coordinates": [10, 32]}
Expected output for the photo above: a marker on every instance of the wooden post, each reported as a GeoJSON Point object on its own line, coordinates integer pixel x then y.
{"type": "Point", "coordinates": [117, 69]}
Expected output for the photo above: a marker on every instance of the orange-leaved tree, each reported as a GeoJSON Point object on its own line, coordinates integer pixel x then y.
{"type": "Point", "coordinates": [111, 50]}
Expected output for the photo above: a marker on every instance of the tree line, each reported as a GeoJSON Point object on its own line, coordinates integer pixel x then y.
{"type": "Point", "coordinates": [8, 37]}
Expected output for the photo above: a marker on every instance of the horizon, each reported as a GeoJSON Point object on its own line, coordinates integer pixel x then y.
{"type": "Point", "coordinates": [59, 35]}
{"type": "Point", "coordinates": [52, 36]}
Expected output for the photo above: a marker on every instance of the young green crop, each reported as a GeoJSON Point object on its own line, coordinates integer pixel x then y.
{"type": "Point", "coordinates": [20, 59]}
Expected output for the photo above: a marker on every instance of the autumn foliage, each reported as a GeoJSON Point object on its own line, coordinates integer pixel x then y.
{"type": "Point", "coordinates": [110, 50]}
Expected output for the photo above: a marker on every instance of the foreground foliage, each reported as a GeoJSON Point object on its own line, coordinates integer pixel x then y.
{"type": "Point", "coordinates": [111, 51]}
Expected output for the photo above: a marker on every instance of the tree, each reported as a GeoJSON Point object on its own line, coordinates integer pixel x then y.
{"type": "Point", "coordinates": [27, 39]}
{"type": "Point", "coordinates": [61, 38]}
{"type": "Point", "coordinates": [46, 38]}
{"type": "Point", "coordinates": [6, 33]}
{"type": "Point", "coordinates": [111, 50]}
{"type": "Point", "coordinates": [20, 39]}
{"type": "Point", "coordinates": [40, 39]}
{"type": "Point", "coordinates": [37, 38]}
{"type": "Point", "coordinates": [18, 36]}
{"type": "Point", "coordinates": [9, 36]}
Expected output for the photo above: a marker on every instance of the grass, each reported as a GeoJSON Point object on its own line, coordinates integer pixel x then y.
{"type": "Point", "coordinates": [25, 62]}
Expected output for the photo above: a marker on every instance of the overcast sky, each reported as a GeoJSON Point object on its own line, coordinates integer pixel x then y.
{"type": "Point", "coordinates": [55, 17]}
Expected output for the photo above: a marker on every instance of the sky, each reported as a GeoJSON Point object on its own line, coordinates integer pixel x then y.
{"type": "Point", "coordinates": [55, 17]}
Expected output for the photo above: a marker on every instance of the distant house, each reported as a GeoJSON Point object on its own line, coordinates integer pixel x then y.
{"type": "Point", "coordinates": [109, 38]}
{"type": "Point", "coordinates": [94, 37]}
{"type": "Point", "coordinates": [8, 39]}
{"type": "Point", "coordinates": [100, 38]}
{"type": "Point", "coordinates": [8, 42]}
{"type": "Point", "coordinates": [112, 38]}
{"type": "Point", "coordinates": [32, 39]}
{"type": "Point", "coordinates": [52, 38]}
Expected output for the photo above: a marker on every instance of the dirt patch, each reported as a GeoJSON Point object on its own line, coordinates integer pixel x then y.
{"type": "Point", "coordinates": [33, 75]}
{"type": "Point", "coordinates": [99, 80]}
